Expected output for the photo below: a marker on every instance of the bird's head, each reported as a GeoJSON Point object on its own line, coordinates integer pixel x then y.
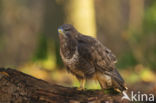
{"type": "Point", "coordinates": [67, 31]}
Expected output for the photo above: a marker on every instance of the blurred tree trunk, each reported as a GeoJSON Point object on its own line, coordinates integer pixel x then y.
{"type": "Point", "coordinates": [136, 15]}
{"type": "Point", "coordinates": [53, 17]}
{"type": "Point", "coordinates": [112, 20]}
{"type": "Point", "coordinates": [1, 40]}
{"type": "Point", "coordinates": [21, 22]}
{"type": "Point", "coordinates": [24, 26]}
{"type": "Point", "coordinates": [81, 13]}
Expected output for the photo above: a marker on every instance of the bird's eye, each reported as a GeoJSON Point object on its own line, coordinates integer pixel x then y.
{"type": "Point", "coordinates": [67, 29]}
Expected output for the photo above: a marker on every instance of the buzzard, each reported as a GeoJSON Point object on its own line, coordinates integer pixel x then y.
{"type": "Point", "coordinates": [87, 58]}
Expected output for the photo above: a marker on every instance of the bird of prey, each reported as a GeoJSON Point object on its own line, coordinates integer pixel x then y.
{"type": "Point", "coordinates": [87, 58]}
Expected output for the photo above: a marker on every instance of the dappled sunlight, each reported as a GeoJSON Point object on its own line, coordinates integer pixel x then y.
{"type": "Point", "coordinates": [141, 74]}
{"type": "Point", "coordinates": [34, 70]}
{"type": "Point", "coordinates": [138, 74]}
{"type": "Point", "coordinates": [49, 63]}
{"type": "Point", "coordinates": [147, 75]}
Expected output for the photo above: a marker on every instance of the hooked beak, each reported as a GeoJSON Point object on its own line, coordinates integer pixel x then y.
{"type": "Point", "coordinates": [60, 31]}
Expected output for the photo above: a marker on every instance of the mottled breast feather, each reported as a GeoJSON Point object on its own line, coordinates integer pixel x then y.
{"type": "Point", "coordinates": [71, 60]}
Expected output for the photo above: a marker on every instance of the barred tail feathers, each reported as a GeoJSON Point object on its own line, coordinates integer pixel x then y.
{"type": "Point", "coordinates": [117, 80]}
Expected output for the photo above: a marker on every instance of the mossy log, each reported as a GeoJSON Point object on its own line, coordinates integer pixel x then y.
{"type": "Point", "coordinates": [18, 87]}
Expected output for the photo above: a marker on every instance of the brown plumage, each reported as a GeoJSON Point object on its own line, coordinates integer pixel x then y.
{"type": "Point", "coordinates": [87, 58]}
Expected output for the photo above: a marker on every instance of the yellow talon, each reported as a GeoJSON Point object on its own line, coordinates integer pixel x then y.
{"type": "Point", "coordinates": [80, 89]}
{"type": "Point", "coordinates": [118, 90]}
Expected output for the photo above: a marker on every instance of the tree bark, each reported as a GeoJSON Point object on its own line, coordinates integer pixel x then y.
{"type": "Point", "coordinates": [17, 87]}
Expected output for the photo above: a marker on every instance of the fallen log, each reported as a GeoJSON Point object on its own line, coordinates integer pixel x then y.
{"type": "Point", "coordinates": [18, 87]}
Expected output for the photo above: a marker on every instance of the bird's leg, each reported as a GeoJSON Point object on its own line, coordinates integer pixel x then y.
{"type": "Point", "coordinates": [117, 90]}
{"type": "Point", "coordinates": [82, 84]}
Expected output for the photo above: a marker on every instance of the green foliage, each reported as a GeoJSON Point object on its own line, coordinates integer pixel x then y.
{"type": "Point", "coordinates": [42, 49]}
{"type": "Point", "coordinates": [1, 43]}
{"type": "Point", "coordinates": [150, 19]}
{"type": "Point", "coordinates": [58, 57]}
{"type": "Point", "coordinates": [127, 60]}
{"type": "Point", "coordinates": [149, 35]}
{"type": "Point", "coordinates": [143, 42]}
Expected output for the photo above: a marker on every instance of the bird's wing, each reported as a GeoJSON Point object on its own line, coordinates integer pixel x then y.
{"type": "Point", "coordinates": [102, 57]}
{"type": "Point", "coordinates": [86, 64]}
